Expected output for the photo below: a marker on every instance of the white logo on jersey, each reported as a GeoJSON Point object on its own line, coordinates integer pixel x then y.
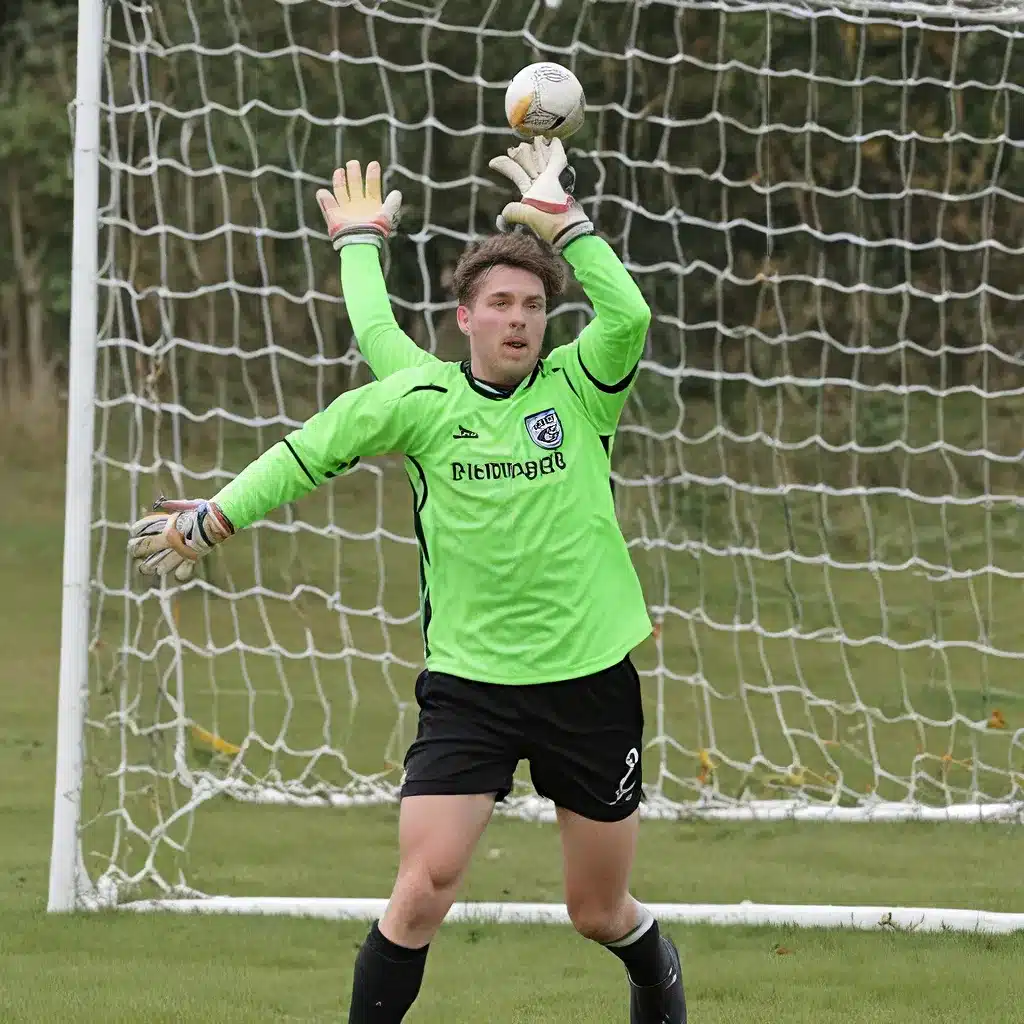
{"type": "Point", "coordinates": [628, 783]}
{"type": "Point", "coordinates": [544, 428]}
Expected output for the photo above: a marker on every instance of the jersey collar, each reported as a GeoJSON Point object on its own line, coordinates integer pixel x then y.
{"type": "Point", "coordinates": [480, 389]}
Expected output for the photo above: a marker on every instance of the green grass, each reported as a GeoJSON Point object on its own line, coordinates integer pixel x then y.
{"type": "Point", "coordinates": [177, 970]}
{"type": "Point", "coordinates": [123, 967]}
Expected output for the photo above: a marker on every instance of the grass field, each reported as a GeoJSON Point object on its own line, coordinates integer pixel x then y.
{"type": "Point", "coordinates": [120, 967]}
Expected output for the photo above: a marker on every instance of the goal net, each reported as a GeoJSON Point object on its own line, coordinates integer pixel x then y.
{"type": "Point", "coordinates": [817, 474]}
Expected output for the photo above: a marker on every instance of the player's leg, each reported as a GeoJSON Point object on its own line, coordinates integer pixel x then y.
{"type": "Point", "coordinates": [437, 836]}
{"type": "Point", "coordinates": [597, 860]}
{"type": "Point", "coordinates": [589, 763]}
{"type": "Point", "coordinates": [462, 760]}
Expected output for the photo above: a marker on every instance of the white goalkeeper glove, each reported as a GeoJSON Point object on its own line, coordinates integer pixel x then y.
{"type": "Point", "coordinates": [355, 213]}
{"type": "Point", "coordinates": [176, 537]}
{"type": "Point", "coordinates": [541, 172]}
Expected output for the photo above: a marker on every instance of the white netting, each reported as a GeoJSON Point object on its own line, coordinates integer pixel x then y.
{"type": "Point", "coordinates": [818, 472]}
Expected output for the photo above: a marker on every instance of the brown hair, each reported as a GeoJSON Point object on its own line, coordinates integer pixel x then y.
{"type": "Point", "coordinates": [521, 249]}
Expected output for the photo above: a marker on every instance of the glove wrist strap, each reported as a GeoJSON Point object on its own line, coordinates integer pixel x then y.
{"type": "Point", "coordinates": [570, 233]}
{"type": "Point", "coordinates": [215, 524]}
{"type": "Point", "coordinates": [358, 236]}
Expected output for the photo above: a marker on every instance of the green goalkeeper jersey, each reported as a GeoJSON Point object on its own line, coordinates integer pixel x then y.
{"type": "Point", "coordinates": [525, 576]}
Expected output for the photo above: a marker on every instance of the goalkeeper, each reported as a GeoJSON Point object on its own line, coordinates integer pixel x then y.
{"type": "Point", "coordinates": [530, 603]}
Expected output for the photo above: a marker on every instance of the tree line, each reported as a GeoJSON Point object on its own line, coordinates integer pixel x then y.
{"type": "Point", "coordinates": [801, 198]}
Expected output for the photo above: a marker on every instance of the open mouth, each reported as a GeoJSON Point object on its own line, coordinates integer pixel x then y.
{"type": "Point", "coordinates": [515, 343]}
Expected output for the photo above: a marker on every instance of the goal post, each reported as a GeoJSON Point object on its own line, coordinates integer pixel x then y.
{"type": "Point", "coordinates": [816, 472]}
{"type": "Point", "coordinates": [68, 878]}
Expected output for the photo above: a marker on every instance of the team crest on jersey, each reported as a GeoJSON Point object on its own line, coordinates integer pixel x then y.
{"type": "Point", "coordinates": [544, 428]}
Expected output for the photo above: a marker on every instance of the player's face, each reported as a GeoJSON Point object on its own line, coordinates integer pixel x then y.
{"type": "Point", "coordinates": [505, 324]}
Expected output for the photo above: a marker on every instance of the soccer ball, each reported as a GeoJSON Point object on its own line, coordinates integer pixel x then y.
{"type": "Point", "coordinates": [545, 99]}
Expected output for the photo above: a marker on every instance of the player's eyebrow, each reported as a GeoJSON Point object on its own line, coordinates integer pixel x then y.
{"type": "Point", "coordinates": [511, 295]}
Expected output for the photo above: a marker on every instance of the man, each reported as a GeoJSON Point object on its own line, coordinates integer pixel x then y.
{"type": "Point", "coordinates": [530, 603]}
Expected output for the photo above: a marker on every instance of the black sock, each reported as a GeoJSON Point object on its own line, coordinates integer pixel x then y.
{"type": "Point", "coordinates": [386, 980]}
{"type": "Point", "coordinates": [640, 951]}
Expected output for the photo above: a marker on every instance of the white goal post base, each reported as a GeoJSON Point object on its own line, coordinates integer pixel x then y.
{"type": "Point", "coordinates": [909, 919]}
{"type": "Point", "coordinates": [535, 808]}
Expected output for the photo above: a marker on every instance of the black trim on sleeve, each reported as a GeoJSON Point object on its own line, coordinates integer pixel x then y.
{"type": "Point", "coordinates": [426, 387]}
{"type": "Point", "coordinates": [341, 468]}
{"type": "Point", "coordinates": [608, 389]}
{"type": "Point", "coordinates": [302, 465]}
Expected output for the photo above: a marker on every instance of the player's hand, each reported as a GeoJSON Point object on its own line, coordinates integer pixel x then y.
{"type": "Point", "coordinates": [354, 211]}
{"type": "Point", "coordinates": [541, 172]}
{"type": "Point", "coordinates": [176, 537]}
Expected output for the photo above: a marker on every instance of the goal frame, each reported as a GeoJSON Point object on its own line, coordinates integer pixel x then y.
{"type": "Point", "coordinates": [70, 888]}
{"type": "Point", "coordinates": [69, 884]}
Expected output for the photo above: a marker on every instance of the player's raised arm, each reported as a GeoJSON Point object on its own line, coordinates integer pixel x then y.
{"type": "Point", "coordinates": [385, 416]}
{"type": "Point", "coordinates": [358, 223]}
{"type": "Point", "coordinates": [609, 348]}
{"type": "Point", "coordinates": [602, 362]}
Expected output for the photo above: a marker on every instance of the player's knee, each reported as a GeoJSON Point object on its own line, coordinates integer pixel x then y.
{"type": "Point", "coordinates": [441, 876]}
{"type": "Point", "coordinates": [426, 891]}
{"type": "Point", "coordinates": [595, 919]}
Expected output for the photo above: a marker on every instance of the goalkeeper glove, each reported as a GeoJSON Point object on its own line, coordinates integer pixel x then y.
{"type": "Point", "coordinates": [543, 175]}
{"type": "Point", "coordinates": [176, 537]}
{"type": "Point", "coordinates": [357, 214]}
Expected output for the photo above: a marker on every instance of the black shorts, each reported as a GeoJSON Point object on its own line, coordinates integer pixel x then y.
{"type": "Point", "coordinates": [582, 737]}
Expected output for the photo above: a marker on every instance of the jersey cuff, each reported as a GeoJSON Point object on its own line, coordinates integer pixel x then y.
{"type": "Point", "coordinates": [608, 389]}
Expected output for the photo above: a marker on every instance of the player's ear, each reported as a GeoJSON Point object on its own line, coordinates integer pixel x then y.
{"type": "Point", "coordinates": [462, 318]}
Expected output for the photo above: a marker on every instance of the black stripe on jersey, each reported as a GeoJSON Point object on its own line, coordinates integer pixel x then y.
{"type": "Point", "coordinates": [568, 380]}
{"type": "Point", "coordinates": [302, 465]}
{"type": "Point", "coordinates": [426, 387]}
{"type": "Point", "coordinates": [417, 508]}
{"type": "Point", "coordinates": [341, 467]}
{"type": "Point", "coordinates": [426, 621]}
{"type": "Point", "coordinates": [419, 500]}
{"type": "Point", "coordinates": [608, 389]}
{"type": "Point", "coordinates": [606, 444]}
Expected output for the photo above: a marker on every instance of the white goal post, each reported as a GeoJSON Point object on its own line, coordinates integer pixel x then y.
{"type": "Point", "coordinates": [817, 473]}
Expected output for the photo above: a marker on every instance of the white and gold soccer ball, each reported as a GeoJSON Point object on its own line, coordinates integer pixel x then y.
{"type": "Point", "coordinates": [545, 99]}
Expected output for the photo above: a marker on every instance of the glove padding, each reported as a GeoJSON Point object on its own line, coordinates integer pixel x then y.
{"type": "Point", "coordinates": [541, 172]}
{"type": "Point", "coordinates": [176, 537]}
{"type": "Point", "coordinates": [355, 213]}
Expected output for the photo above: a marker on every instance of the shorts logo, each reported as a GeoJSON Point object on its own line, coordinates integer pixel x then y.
{"type": "Point", "coordinates": [544, 428]}
{"type": "Point", "coordinates": [628, 781]}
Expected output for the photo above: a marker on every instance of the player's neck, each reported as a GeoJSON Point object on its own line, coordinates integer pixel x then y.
{"type": "Point", "coordinates": [489, 378]}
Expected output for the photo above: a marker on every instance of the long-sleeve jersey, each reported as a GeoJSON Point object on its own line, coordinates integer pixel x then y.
{"type": "Point", "coordinates": [525, 575]}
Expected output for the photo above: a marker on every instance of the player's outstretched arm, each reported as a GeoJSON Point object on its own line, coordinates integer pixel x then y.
{"type": "Point", "coordinates": [602, 362]}
{"type": "Point", "coordinates": [385, 416]}
{"type": "Point", "coordinates": [609, 348]}
{"type": "Point", "coordinates": [358, 223]}
{"type": "Point", "coordinates": [386, 347]}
